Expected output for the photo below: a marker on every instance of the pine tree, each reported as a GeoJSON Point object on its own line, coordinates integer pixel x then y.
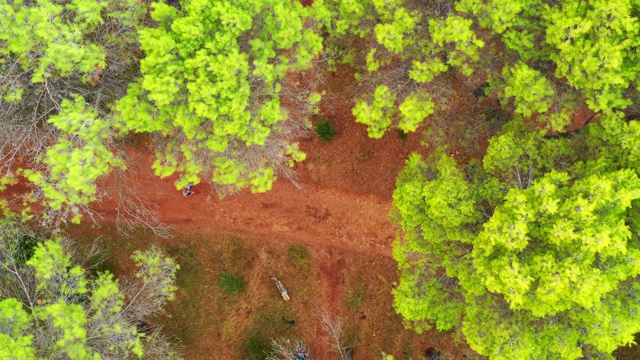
{"type": "Point", "coordinates": [214, 75]}
{"type": "Point", "coordinates": [51, 307]}
{"type": "Point", "coordinates": [535, 246]}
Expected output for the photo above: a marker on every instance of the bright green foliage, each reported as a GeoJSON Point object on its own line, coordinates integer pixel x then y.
{"type": "Point", "coordinates": [52, 32]}
{"type": "Point", "coordinates": [69, 321]}
{"type": "Point", "coordinates": [14, 331]}
{"type": "Point", "coordinates": [517, 22]}
{"type": "Point", "coordinates": [443, 222]}
{"type": "Point", "coordinates": [457, 31]}
{"type": "Point", "coordinates": [568, 247]}
{"type": "Point", "coordinates": [51, 307]}
{"type": "Point", "coordinates": [531, 91]}
{"type": "Point", "coordinates": [342, 17]}
{"type": "Point", "coordinates": [537, 248]}
{"type": "Point", "coordinates": [427, 70]}
{"type": "Point", "coordinates": [394, 35]}
{"type": "Point", "coordinates": [590, 44]}
{"type": "Point", "coordinates": [213, 75]}
{"type": "Point", "coordinates": [51, 262]}
{"type": "Point", "coordinates": [54, 56]}
{"type": "Point", "coordinates": [49, 39]}
{"type": "Point", "coordinates": [414, 109]}
{"type": "Point", "coordinates": [377, 115]}
{"type": "Point", "coordinates": [412, 48]}
{"type": "Point", "coordinates": [157, 271]}
{"type": "Point", "coordinates": [80, 156]}
{"type": "Point", "coordinates": [518, 154]}
{"type": "Point", "coordinates": [593, 44]}
{"type": "Point", "coordinates": [617, 139]}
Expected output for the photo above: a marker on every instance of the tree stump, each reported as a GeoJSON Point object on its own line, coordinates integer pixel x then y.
{"type": "Point", "coordinates": [348, 353]}
{"type": "Point", "coordinates": [432, 354]}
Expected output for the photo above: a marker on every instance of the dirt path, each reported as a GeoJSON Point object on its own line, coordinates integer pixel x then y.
{"type": "Point", "coordinates": [342, 212]}
{"type": "Point", "coordinates": [315, 216]}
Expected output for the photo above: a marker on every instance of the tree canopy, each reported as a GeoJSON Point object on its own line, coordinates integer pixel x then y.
{"type": "Point", "coordinates": [531, 252]}
{"type": "Point", "coordinates": [50, 50]}
{"type": "Point", "coordinates": [51, 307]}
{"type": "Point", "coordinates": [409, 45]}
{"type": "Point", "coordinates": [212, 87]}
{"type": "Point", "coordinates": [535, 246]}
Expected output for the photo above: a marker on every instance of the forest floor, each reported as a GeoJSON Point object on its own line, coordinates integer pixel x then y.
{"type": "Point", "coordinates": [329, 243]}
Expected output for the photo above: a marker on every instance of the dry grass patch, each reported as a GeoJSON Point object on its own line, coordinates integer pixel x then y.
{"type": "Point", "coordinates": [214, 316]}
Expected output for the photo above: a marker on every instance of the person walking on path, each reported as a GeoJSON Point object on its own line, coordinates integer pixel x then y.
{"type": "Point", "coordinates": [188, 190]}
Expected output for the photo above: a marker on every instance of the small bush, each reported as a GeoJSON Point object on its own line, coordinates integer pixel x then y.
{"type": "Point", "coordinates": [402, 135]}
{"type": "Point", "coordinates": [231, 284]}
{"type": "Point", "coordinates": [257, 347]}
{"type": "Point", "coordinates": [190, 268]}
{"type": "Point", "coordinates": [297, 254]}
{"type": "Point", "coordinates": [356, 297]}
{"type": "Point", "coordinates": [325, 130]}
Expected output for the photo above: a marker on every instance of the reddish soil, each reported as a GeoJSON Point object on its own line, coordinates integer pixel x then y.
{"type": "Point", "coordinates": [341, 215]}
{"type": "Point", "coordinates": [343, 208]}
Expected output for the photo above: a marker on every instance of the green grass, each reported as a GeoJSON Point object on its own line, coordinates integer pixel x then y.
{"type": "Point", "coordinates": [231, 284]}
{"type": "Point", "coordinates": [190, 267]}
{"type": "Point", "coordinates": [356, 297]}
{"type": "Point", "coordinates": [257, 346]}
{"type": "Point", "coordinates": [298, 255]}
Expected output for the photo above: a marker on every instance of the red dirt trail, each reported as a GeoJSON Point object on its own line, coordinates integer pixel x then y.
{"type": "Point", "coordinates": [343, 208]}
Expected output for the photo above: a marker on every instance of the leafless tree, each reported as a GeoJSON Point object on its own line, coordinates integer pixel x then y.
{"type": "Point", "coordinates": [288, 350]}
{"type": "Point", "coordinates": [332, 325]}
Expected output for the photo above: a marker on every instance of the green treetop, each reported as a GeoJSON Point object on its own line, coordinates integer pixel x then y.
{"type": "Point", "coordinates": [62, 64]}
{"type": "Point", "coordinates": [51, 49]}
{"type": "Point", "coordinates": [587, 45]}
{"type": "Point", "coordinates": [408, 45]}
{"type": "Point", "coordinates": [51, 308]}
{"type": "Point", "coordinates": [212, 84]}
{"type": "Point", "coordinates": [67, 182]}
{"type": "Point", "coordinates": [532, 253]}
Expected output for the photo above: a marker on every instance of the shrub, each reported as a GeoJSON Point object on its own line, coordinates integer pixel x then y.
{"type": "Point", "coordinates": [402, 135]}
{"type": "Point", "coordinates": [297, 254]}
{"type": "Point", "coordinates": [356, 297]}
{"type": "Point", "coordinates": [325, 130]}
{"type": "Point", "coordinates": [231, 284]}
{"type": "Point", "coordinates": [257, 347]}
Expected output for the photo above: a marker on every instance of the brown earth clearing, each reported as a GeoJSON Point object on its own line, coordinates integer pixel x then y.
{"type": "Point", "coordinates": [329, 243]}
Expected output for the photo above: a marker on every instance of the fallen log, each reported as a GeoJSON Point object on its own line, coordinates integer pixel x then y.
{"type": "Point", "coordinates": [281, 288]}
